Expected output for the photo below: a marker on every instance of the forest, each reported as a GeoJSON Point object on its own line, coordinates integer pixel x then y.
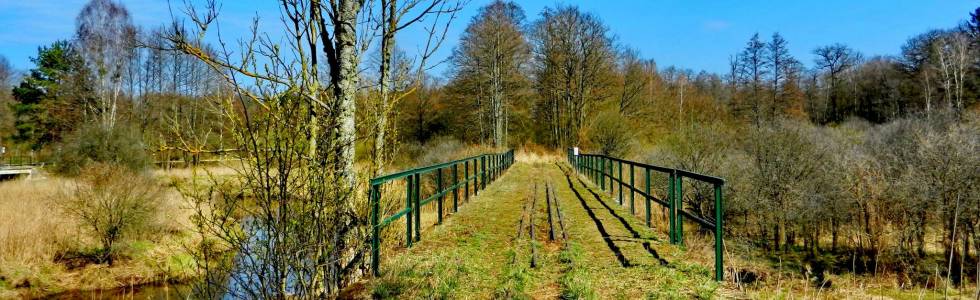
{"type": "Point", "coordinates": [837, 163]}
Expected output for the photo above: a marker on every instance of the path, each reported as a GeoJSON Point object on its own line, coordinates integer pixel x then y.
{"type": "Point", "coordinates": [479, 253]}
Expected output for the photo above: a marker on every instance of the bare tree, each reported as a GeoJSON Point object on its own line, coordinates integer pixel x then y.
{"type": "Point", "coordinates": [573, 56]}
{"type": "Point", "coordinates": [293, 122]}
{"type": "Point", "coordinates": [105, 38]}
{"type": "Point", "coordinates": [638, 76]}
{"type": "Point", "coordinates": [835, 60]}
{"type": "Point", "coordinates": [783, 69]}
{"type": "Point", "coordinates": [491, 57]}
{"type": "Point", "coordinates": [954, 54]}
{"type": "Point", "coordinates": [7, 74]}
{"type": "Point", "coordinates": [752, 69]}
{"type": "Point", "coordinates": [396, 16]}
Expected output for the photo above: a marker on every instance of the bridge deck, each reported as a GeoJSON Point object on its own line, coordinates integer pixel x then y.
{"type": "Point", "coordinates": [15, 171]}
{"type": "Point", "coordinates": [476, 253]}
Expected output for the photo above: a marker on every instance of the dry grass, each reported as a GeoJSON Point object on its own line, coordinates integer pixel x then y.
{"type": "Point", "coordinates": [532, 153]}
{"type": "Point", "coordinates": [29, 233]}
{"type": "Point", "coordinates": [34, 232]}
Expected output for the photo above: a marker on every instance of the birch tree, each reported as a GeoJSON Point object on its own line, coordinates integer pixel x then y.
{"type": "Point", "coordinates": [293, 119]}
{"type": "Point", "coordinates": [105, 38]}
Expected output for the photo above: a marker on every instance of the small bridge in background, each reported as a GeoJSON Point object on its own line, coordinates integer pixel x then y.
{"type": "Point", "coordinates": [16, 166]}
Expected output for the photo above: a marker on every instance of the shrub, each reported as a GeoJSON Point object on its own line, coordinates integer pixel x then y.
{"type": "Point", "coordinates": [93, 143]}
{"type": "Point", "coordinates": [611, 135]}
{"type": "Point", "coordinates": [113, 203]}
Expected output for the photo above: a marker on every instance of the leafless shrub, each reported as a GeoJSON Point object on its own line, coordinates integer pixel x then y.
{"type": "Point", "coordinates": [611, 135]}
{"type": "Point", "coordinates": [112, 203]}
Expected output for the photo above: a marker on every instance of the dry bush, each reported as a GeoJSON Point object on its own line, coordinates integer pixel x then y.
{"type": "Point", "coordinates": [611, 136]}
{"type": "Point", "coordinates": [112, 203]}
{"type": "Point", "coordinates": [535, 153]}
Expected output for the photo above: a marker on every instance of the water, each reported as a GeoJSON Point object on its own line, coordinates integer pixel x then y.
{"type": "Point", "coordinates": [149, 291]}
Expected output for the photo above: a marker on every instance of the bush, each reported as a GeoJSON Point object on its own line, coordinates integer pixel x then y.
{"type": "Point", "coordinates": [93, 143]}
{"type": "Point", "coordinates": [611, 135]}
{"type": "Point", "coordinates": [113, 203]}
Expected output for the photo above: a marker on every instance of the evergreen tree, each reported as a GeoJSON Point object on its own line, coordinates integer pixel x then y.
{"type": "Point", "coordinates": [50, 101]}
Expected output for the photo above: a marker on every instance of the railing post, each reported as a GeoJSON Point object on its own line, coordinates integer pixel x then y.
{"type": "Point", "coordinates": [466, 180]}
{"type": "Point", "coordinates": [632, 192]}
{"type": "Point", "coordinates": [602, 177]}
{"type": "Point", "coordinates": [483, 172]}
{"type": "Point", "coordinates": [671, 224]}
{"type": "Point", "coordinates": [418, 207]}
{"type": "Point", "coordinates": [620, 164]}
{"type": "Point", "coordinates": [375, 196]}
{"type": "Point", "coordinates": [594, 168]}
{"type": "Point", "coordinates": [439, 192]}
{"type": "Point", "coordinates": [719, 234]}
{"type": "Point", "coordinates": [410, 207]}
{"type": "Point", "coordinates": [455, 188]}
{"type": "Point", "coordinates": [648, 195]}
{"type": "Point", "coordinates": [680, 208]}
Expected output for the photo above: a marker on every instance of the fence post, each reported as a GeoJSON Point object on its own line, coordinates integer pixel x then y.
{"type": "Point", "coordinates": [418, 207]}
{"type": "Point", "coordinates": [719, 234]}
{"type": "Point", "coordinates": [466, 180]}
{"type": "Point", "coordinates": [439, 192]}
{"type": "Point", "coordinates": [602, 177]}
{"type": "Point", "coordinates": [620, 164]}
{"type": "Point", "coordinates": [648, 195]}
{"type": "Point", "coordinates": [375, 196]}
{"type": "Point", "coordinates": [409, 204]}
{"type": "Point", "coordinates": [483, 172]}
{"type": "Point", "coordinates": [671, 224]}
{"type": "Point", "coordinates": [680, 208]}
{"type": "Point", "coordinates": [632, 192]}
{"type": "Point", "coordinates": [455, 187]}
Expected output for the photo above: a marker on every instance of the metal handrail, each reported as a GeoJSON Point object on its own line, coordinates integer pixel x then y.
{"type": "Point", "coordinates": [598, 168]}
{"type": "Point", "coordinates": [485, 167]}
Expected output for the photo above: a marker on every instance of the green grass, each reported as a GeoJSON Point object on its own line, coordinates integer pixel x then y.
{"type": "Point", "coordinates": [575, 281]}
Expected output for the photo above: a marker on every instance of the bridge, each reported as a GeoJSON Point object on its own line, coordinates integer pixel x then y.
{"type": "Point", "coordinates": [15, 166]}
{"type": "Point", "coordinates": [16, 171]}
{"type": "Point", "coordinates": [590, 225]}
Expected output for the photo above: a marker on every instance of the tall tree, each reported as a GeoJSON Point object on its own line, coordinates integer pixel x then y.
{"type": "Point", "coordinates": [395, 16]}
{"type": "Point", "coordinates": [638, 78]}
{"type": "Point", "coordinates": [834, 60]}
{"type": "Point", "coordinates": [752, 69]}
{"type": "Point", "coordinates": [918, 61]}
{"type": "Point", "coordinates": [955, 57]}
{"type": "Point", "coordinates": [295, 132]}
{"type": "Point", "coordinates": [7, 74]}
{"type": "Point", "coordinates": [784, 70]}
{"type": "Point", "coordinates": [105, 38]}
{"type": "Point", "coordinates": [574, 57]}
{"type": "Point", "coordinates": [51, 99]}
{"type": "Point", "coordinates": [491, 56]}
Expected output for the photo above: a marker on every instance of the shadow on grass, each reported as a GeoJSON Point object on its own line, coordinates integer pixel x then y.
{"type": "Point", "coordinates": [635, 234]}
{"type": "Point", "coordinates": [598, 224]}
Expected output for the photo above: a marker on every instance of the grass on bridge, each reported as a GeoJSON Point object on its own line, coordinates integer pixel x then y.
{"type": "Point", "coordinates": [477, 253]}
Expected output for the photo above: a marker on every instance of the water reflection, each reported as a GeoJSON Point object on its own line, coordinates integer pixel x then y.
{"type": "Point", "coordinates": [155, 292]}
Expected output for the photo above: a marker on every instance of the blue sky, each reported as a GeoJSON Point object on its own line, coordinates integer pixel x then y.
{"type": "Point", "coordinates": [695, 34]}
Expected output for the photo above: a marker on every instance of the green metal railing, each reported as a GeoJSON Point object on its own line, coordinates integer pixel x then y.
{"type": "Point", "coordinates": [607, 173]}
{"type": "Point", "coordinates": [478, 170]}
{"type": "Point", "coordinates": [19, 160]}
